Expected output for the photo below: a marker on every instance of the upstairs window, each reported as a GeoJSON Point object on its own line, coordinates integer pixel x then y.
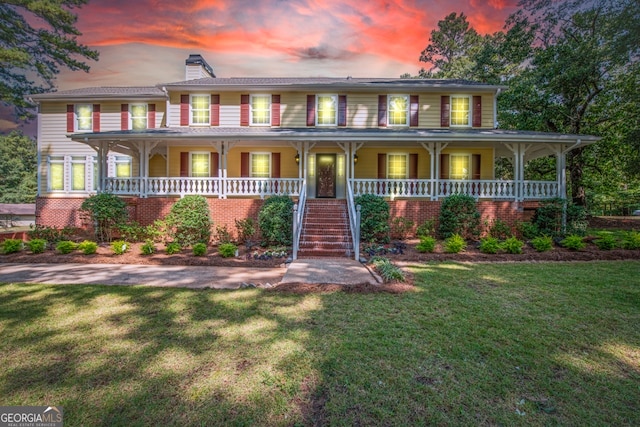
{"type": "Point", "coordinates": [138, 115]}
{"type": "Point", "coordinates": [398, 110]}
{"type": "Point", "coordinates": [261, 110]}
{"type": "Point", "coordinates": [327, 108]}
{"type": "Point", "coordinates": [84, 117]}
{"type": "Point", "coordinates": [200, 109]}
{"type": "Point", "coordinates": [397, 166]}
{"type": "Point", "coordinates": [460, 111]}
{"type": "Point", "coordinates": [260, 165]}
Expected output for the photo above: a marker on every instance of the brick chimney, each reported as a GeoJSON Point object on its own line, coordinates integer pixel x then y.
{"type": "Point", "coordinates": [197, 68]}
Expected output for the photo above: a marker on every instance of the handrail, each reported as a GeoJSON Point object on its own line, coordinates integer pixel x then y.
{"type": "Point", "coordinates": [298, 217]}
{"type": "Point", "coordinates": [354, 220]}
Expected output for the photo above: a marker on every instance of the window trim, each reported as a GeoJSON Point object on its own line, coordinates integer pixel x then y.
{"type": "Point", "coordinates": [191, 109]}
{"type": "Point", "coordinates": [335, 115]}
{"type": "Point", "coordinates": [407, 110]}
{"type": "Point", "coordinates": [470, 163]}
{"type": "Point", "coordinates": [406, 164]}
{"type": "Point", "coordinates": [259, 95]}
{"type": "Point", "coordinates": [146, 118]}
{"type": "Point", "coordinates": [76, 121]}
{"type": "Point", "coordinates": [251, 154]}
{"type": "Point", "coordinates": [191, 153]}
{"type": "Point", "coordinates": [470, 115]}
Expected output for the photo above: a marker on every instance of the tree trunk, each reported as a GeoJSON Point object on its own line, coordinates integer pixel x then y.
{"type": "Point", "coordinates": [575, 166]}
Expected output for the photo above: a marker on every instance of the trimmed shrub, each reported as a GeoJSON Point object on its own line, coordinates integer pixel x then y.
{"type": "Point", "coordinates": [276, 221]}
{"type": "Point", "coordinates": [459, 215]}
{"type": "Point", "coordinates": [148, 248]}
{"type": "Point", "coordinates": [427, 228]}
{"type": "Point", "coordinates": [387, 270]}
{"type": "Point", "coordinates": [454, 244]}
{"type": "Point", "coordinates": [88, 247]}
{"type": "Point", "coordinates": [489, 245]}
{"type": "Point", "coordinates": [66, 246]}
{"type": "Point", "coordinates": [10, 246]}
{"type": "Point", "coordinates": [106, 212]}
{"type": "Point", "coordinates": [400, 228]}
{"type": "Point", "coordinates": [173, 248]}
{"type": "Point", "coordinates": [542, 243]}
{"type": "Point", "coordinates": [119, 247]}
{"type": "Point", "coordinates": [189, 222]}
{"type": "Point", "coordinates": [246, 229]}
{"type": "Point", "coordinates": [527, 230]}
{"type": "Point", "coordinates": [52, 235]}
{"type": "Point", "coordinates": [374, 218]}
{"type": "Point", "coordinates": [500, 230]}
{"type": "Point", "coordinates": [548, 218]}
{"type": "Point", "coordinates": [37, 246]}
{"type": "Point", "coordinates": [631, 240]}
{"type": "Point", "coordinates": [574, 242]}
{"type": "Point", "coordinates": [227, 250]}
{"type": "Point", "coordinates": [512, 245]}
{"type": "Point", "coordinates": [133, 232]}
{"type": "Point", "coordinates": [223, 235]}
{"type": "Point", "coordinates": [606, 241]}
{"type": "Point", "coordinates": [427, 244]}
{"type": "Point", "coordinates": [199, 249]}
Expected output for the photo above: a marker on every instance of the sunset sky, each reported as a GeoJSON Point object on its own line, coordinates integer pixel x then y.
{"type": "Point", "coordinates": [145, 42]}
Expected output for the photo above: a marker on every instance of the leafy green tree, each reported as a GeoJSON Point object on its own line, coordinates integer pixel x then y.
{"type": "Point", "coordinates": [18, 163]}
{"type": "Point", "coordinates": [37, 37]}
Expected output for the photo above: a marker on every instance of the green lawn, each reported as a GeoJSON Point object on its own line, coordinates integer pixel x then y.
{"type": "Point", "coordinates": [500, 344]}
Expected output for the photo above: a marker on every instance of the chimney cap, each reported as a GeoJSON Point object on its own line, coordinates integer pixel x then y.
{"type": "Point", "coordinates": [197, 59]}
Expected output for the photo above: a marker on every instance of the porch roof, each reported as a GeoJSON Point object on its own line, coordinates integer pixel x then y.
{"type": "Point", "coordinates": [333, 135]}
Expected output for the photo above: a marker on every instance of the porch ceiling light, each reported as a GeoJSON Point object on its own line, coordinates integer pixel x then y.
{"type": "Point", "coordinates": [355, 159]}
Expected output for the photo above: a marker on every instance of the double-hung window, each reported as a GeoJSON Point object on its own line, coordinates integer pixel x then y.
{"type": "Point", "coordinates": [200, 164]}
{"type": "Point", "coordinates": [397, 166]}
{"type": "Point", "coordinates": [200, 109]}
{"type": "Point", "coordinates": [398, 110]}
{"type": "Point", "coordinates": [460, 110]}
{"type": "Point", "coordinates": [56, 173]}
{"type": "Point", "coordinates": [138, 116]}
{"type": "Point", "coordinates": [327, 107]}
{"type": "Point", "coordinates": [84, 117]}
{"type": "Point", "coordinates": [460, 166]}
{"type": "Point", "coordinates": [260, 110]}
{"type": "Point", "coordinates": [260, 165]}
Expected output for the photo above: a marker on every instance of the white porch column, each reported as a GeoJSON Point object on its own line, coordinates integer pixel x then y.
{"type": "Point", "coordinates": [561, 172]}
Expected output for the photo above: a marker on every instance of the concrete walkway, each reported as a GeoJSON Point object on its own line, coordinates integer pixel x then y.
{"type": "Point", "coordinates": [338, 271]}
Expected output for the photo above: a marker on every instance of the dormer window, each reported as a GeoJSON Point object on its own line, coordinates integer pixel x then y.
{"type": "Point", "coordinates": [84, 117]}
{"type": "Point", "coordinates": [461, 111]}
{"type": "Point", "coordinates": [398, 110]}
{"type": "Point", "coordinates": [200, 109]}
{"type": "Point", "coordinates": [327, 108]}
{"type": "Point", "coordinates": [261, 110]}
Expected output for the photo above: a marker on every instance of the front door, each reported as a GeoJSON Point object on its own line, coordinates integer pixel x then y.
{"type": "Point", "coordinates": [326, 177]}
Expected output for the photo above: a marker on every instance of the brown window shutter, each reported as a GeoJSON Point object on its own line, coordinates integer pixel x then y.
{"type": "Point", "coordinates": [311, 110]}
{"type": "Point", "coordinates": [444, 166]}
{"type": "Point", "coordinates": [413, 166]}
{"type": "Point", "coordinates": [342, 110]}
{"type": "Point", "coordinates": [414, 109]}
{"type": "Point", "coordinates": [215, 164]}
{"type": "Point", "coordinates": [124, 116]}
{"type": "Point", "coordinates": [244, 110]}
{"type": "Point", "coordinates": [382, 110]}
{"type": "Point", "coordinates": [445, 111]}
{"type": "Point", "coordinates": [382, 166]}
{"type": "Point", "coordinates": [477, 112]}
{"type": "Point", "coordinates": [214, 113]}
{"type": "Point", "coordinates": [244, 164]}
{"type": "Point", "coordinates": [151, 116]}
{"type": "Point", "coordinates": [184, 163]}
{"type": "Point", "coordinates": [184, 110]}
{"type": "Point", "coordinates": [275, 165]}
{"type": "Point", "coordinates": [96, 117]}
{"type": "Point", "coordinates": [275, 110]}
{"type": "Point", "coordinates": [70, 118]}
{"type": "Point", "coordinates": [475, 166]}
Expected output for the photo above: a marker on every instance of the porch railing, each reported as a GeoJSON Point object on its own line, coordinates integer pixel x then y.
{"type": "Point", "coordinates": [354, 222]}
{"type": "Point", "coordinates": [298, 218]}
{"type": "Point", "coordinates": [221, 187]}
{"type": "Point", "coordinates": [436, 189]}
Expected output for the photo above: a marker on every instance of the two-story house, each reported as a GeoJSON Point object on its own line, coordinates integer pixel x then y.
{"type": "Point", "coordinates": [238, 140]}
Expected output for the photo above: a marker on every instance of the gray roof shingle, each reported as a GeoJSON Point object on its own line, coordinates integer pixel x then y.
{"type": "Point", "coordinates": [104, 92]}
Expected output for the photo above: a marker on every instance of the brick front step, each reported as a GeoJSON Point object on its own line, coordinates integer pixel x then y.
{"type": "Point", "coordinates": [319, 238]}
{"type": "Point", "coordinates": [325, 230]}
{"type": "Point", "coordinates": [325, 253]}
